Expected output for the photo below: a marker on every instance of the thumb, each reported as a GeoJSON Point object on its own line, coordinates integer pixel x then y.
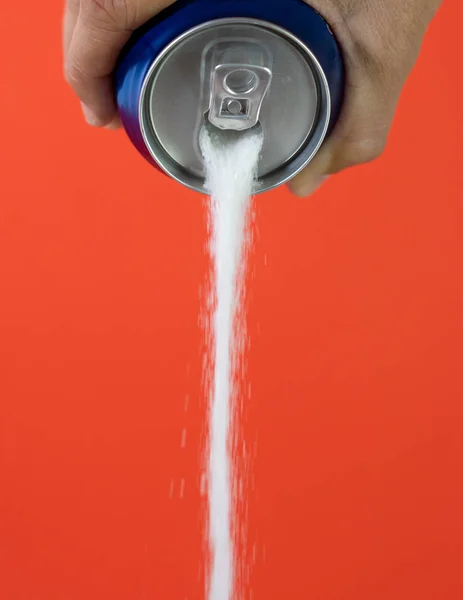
{"type": "Point", "coordinates": [360, 135]}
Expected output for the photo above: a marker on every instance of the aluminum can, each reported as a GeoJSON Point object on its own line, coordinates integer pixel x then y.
{"type": "Point", "coordinates": [232, 66]}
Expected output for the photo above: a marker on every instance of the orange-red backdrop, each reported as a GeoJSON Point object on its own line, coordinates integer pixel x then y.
{"type": "Point", "coordinates": [355, 414]}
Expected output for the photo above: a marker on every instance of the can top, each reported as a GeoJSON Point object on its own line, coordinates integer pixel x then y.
{"type": "Point", "coordinates": [232, 75]}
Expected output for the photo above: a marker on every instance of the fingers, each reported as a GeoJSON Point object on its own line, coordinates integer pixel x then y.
{"type": "Point", "coordinates": [71, 15]}
{"type": "Point", "coordinates": [96, 42]}
{"type": "Point", "coordinates": [359, 137]}
{"type": "Point", "coordinates": [100, 31]}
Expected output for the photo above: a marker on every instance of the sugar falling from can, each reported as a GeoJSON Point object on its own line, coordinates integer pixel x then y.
{"type": "Point", "coordinates": [235, 66]}
{"type": "Point", "coordinates": [230, 173]}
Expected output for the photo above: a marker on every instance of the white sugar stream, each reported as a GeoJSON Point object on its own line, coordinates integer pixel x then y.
{"type": "Point", "coordinates": [230, 172]}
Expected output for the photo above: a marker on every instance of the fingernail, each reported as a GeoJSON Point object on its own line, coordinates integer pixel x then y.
{"type": "Point", "coordinates": [90, 116]}
{"type": "Point", "coordinates": [310, 187]}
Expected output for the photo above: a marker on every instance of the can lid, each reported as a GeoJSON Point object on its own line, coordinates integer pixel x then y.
{"type": "Point", "coordinates": [235, 74]}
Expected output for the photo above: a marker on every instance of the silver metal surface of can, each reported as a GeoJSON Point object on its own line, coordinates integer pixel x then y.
{"type": "Point", "coordinates": [234, 75]}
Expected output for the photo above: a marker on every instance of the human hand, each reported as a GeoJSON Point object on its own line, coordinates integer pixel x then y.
{"type": "Point", "coordinates": [380, 43]}
{"type": "Point", "coordinates": [94, 33]}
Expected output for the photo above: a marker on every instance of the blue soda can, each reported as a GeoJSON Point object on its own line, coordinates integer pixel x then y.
{"type": "Point", "coordinates": [231, 65]}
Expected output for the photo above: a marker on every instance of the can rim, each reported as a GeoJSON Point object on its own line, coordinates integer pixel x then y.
{"type": "Point", "coordinates": [260, 185]}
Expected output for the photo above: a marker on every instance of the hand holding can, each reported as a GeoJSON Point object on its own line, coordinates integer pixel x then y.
{"type": "Point", "coordinates": [380, 42]}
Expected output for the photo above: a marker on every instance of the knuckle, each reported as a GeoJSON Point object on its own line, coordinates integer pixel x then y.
{"type": "Point", "coordinates": [372, 54]}
{"type": "Point", "coordinates": [373, 46]}
{"type": "Point", "coordinates": [357, 151]}
{"type": "Point", "coordinates": [364, 150]}
{"type": "Point", "coordinates": [74, 74]}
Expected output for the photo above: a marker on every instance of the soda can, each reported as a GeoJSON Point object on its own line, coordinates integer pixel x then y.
{"type": "Point", "coordinates": [233, 66]}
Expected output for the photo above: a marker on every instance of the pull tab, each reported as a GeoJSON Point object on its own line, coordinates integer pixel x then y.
{"type": "Point", "coordinates": [239, 79]}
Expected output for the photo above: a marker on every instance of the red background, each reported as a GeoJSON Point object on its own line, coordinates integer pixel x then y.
{"type": "Point", "coordinates": [355, 414]}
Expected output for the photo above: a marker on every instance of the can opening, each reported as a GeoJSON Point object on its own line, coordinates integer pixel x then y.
{"type": "Point", "coordinates": [227, 136]}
